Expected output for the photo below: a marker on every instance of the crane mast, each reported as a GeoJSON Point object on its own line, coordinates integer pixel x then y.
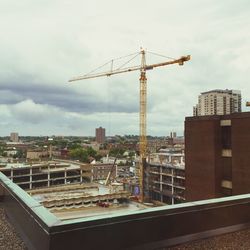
{"type": "Point", "coordinates": [143, 103]}
{"type": "Point", "coordinates": [143, 122]}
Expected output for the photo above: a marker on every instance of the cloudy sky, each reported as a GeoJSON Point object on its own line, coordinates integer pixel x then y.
{"type": "Point", "coordinates": [44, 43]}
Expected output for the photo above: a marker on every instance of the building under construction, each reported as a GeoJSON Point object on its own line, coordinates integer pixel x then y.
{"type": "Point", "coordinates": [67, 188]}
{"type": "Point", "coordinates": [165, 176]}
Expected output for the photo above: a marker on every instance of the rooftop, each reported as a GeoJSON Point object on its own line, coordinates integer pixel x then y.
{"type": "Point", "coordinates": [10, 239]}
{"type": "Point", "coordinates": [222, 91]}
{"type": "Point", "coordinates": [151, 228]}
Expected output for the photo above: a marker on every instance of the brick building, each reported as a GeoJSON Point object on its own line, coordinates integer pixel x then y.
{"type": "Point", "coordinates": [14, 137]}
{"type": "Point", "coordinates": [217, 156]}
{"type": "Point", "coordinates": [100, 171]}
{"type": "Point", "coordinates": [100, 135]}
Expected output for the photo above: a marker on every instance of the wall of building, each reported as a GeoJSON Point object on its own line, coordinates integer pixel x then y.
{"type": "Point", "coordinates": [241, 155]}
{"type": "Point", "coordinates": [217, 156]}
{"type": "Point", "coordinates": [14, 137]}
{"type": "Point", "coordinates": [100, 135]}
{"type": "Point", "coordinates": [101, 171]}
{"type": "Point", "coordinates": [202, 153]}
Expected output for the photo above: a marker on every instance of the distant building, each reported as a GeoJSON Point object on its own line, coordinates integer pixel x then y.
{"type": "Point", "coordinates": [217, 156]}
{"type": "Point", "coordinates": [218, 102]}
{"type": "Point", "coordinates": [178, 140]}
{"type": "Point", "coordinates": [100, 171]}
{"type": "Point", "coordinates": [36, 154]}
{"type": "Point", "coordinates": [100, 135]}
{"type": "Point", "coordinates": [173, 134]}
{"type": "Point", "coordinates": [14, 137]}
{"type": "Point", "coordinates": [94, 145]}
{"type": "Point", "coordinates": [46, 174]}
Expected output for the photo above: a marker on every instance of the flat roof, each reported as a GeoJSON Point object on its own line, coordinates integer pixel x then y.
{"type": "Point", "coordinates": [230, 91]}
{"type": "Point", "coordinates": [236, 115]}
{"type": "Point", "coordinates": [52, 165]}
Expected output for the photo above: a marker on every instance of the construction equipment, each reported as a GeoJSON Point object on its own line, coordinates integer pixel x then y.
{"type": "Point", "coordinates": [110, 172]}
{"type": "Point", "coordinates": [143, 100]}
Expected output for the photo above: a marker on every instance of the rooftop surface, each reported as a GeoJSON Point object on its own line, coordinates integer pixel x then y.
{"type": "Point", "coordinates": [9, 239]}
{"type": "Point", "coordinates": [238, 240]}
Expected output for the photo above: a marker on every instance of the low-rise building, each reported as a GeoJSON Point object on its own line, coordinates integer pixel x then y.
{"type": "Point", "coordinates": [100, 171]}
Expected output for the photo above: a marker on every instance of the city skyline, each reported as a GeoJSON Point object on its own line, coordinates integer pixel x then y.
{"type": "Point", "coordinates": [43, 45]}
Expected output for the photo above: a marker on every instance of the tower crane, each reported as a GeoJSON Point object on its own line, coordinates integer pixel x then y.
{"type": "Point", "coordinates": [143, 101]}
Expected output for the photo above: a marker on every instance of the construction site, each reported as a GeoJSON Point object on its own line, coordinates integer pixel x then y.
{"type": "Point", "coordinates": [68, 191]}
{"type": "Point", "coordinates": [58, 205]}
{"type": "Point", "coordinates": [143, 68]}
{"type": "Point", "coordinates": [67, 197]}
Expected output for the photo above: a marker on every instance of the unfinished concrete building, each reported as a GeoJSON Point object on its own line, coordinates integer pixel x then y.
{"type": "Point", "coordinates": [47, 174]}
{"type": "Point", "coordinates": [166, 176]}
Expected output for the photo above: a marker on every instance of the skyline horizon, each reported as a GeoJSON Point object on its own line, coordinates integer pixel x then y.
{"type": "Point", "coordinates": [93, 136]}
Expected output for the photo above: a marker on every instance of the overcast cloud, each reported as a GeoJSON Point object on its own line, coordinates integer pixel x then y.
{"type": "Point", "coordinates": [46, 42]}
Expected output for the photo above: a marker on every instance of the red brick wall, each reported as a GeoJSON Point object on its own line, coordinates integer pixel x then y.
{"type": "Point", "coordinates": [241, 155]}
{"type": "Point", "coordinates": [202, 154]}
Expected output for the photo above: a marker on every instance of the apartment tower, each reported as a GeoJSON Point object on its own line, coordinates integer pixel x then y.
{"type": "Point", "coordinates": [100, 135]}
{"type": "Point", "coordinates": [218, 102]}
{"type": "Point", "coordinates": [14, 137]}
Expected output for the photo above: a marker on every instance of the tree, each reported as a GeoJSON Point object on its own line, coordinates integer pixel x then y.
{"type": "Point", "coordinates": [81, 154]}
{"type": "Point", "coordinates": [4, 154]}
{"type": "Point", "coordinates": [131, 154]}
{"type": "Point", "coordinates": [116, 152]}
{"type": "Point", "coordinates": [19, 154]}
{"type": "Point", "coordinates": [91, 152]}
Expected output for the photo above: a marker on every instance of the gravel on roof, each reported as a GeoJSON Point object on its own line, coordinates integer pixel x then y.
{"type": "Point", "coordinates": [9, 239]}
{"type": "Point", "coordinates": [238, 240]}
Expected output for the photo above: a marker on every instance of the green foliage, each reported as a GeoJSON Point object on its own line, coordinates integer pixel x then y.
{"type": "Point", "coordinates": [4, 154]}
{"type": "Point", "coordinates": [82, 154]}
{"type": "Point", "coordinates": [91, 152]}
{"type": "Point", "coordinates": [60, 143]}
{"type": "Point", "coordinates": [79, 154]}
{"type": "Point", "coordinates": [117, 152]}
{"type": "Point", "coordinates": [2, 150]}
{"type": "Point", "coordinates": [131, 154]}
{"type": "Point", "coordinates": [19, 154]}
{"type": "Point", "coordinates": [74, 145]}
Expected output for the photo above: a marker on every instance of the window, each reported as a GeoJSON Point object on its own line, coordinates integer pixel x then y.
{"type": "Point", "coordinates": [226, 137]}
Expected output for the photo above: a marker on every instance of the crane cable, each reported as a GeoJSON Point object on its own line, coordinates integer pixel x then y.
{"type": "Point", "coordinates": [128, 61]}
{"type": "Point", "coordinates": [156, 54]}
{"type": "Point", "coordinates": [112, 62]}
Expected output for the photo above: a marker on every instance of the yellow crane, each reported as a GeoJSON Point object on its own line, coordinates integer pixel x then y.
{"type": "Point", "coordinates": [143, 100]}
